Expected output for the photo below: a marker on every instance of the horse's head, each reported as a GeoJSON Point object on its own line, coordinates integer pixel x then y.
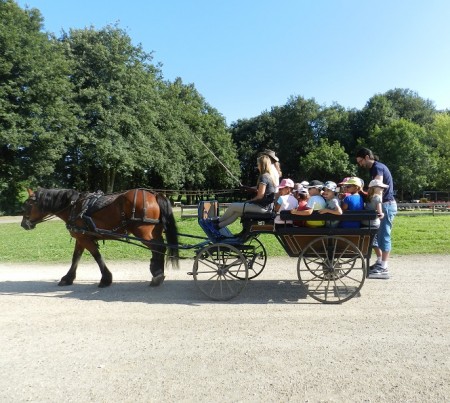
{"type": "Point", "coordinates": [31, 213]}
{"type": "Point", "coordinates": [45, 203]}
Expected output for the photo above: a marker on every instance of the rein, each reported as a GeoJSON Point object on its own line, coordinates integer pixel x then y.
{"type": "Point", "coordinates": [217, 158]}
{"type": "Point", "coordinates": [50, 216]}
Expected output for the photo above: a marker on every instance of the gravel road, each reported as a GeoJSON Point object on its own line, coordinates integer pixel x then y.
{"type": "Point", "coordinates": [133, 343]}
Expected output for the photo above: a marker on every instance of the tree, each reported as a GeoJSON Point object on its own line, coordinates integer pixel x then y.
{"type": "Point", "coordinates": [114, 90]}
{"type": "Point", "coordinates": [201, 138]}
{"type": "Point", "coordinates": [410, 106]}
{"type": "Point", "coordinates": [338, 126]}
{"type": "Point", "coordinates": [378, 112]}
{"type": "Point", "coordinates": [327, 162]}
{"type": "Point", "coordinates": [439, 141]}
{"type": "Point", "coordinates": [292, 130]}
{"type": "Point", "coordinates": [35, 101]}
{"type": "Point", "coordinates": [402, 146]}
{"type": "Point", "coordinates": [382, 109]}
{"type": "Point", "coordinates": [251, 136]}
{"type": "Point", "coordinates": [298, 128]}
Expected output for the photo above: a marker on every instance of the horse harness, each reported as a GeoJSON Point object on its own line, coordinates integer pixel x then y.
{"type": "Point", "coordinates": [93, 202]}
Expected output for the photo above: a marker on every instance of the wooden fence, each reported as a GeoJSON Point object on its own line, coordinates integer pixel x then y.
{"type": "Point", "coordinates": [434, 207]}
{"type": "Point", "coordinates": [190, 210]}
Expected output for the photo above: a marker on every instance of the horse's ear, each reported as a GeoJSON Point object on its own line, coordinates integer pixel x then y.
{"type": "Point", "coordinates": [31, 194]}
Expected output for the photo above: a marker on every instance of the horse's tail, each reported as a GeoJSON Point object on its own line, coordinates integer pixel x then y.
{"type": "Point", "coordinates": [170, 228]}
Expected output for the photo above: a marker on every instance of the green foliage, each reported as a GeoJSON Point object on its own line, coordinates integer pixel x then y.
{"type": "Point", "coordinates": [383, 109]}
{"type": "Point", "coordinates": [196, 128]}
{"type": "Point", "coordinates": [402, 145]}
{"type": "Point", "coordinates": [338, 126]}
{"type": "Point", "coordinates": [35, 100]}
{"type": "Point", "coordinates": [408, 105]}
{"type": "Point", "coordinates": [298, 126]}
{"type": "Point", "coordinates": [113, 83]}
{"type": "Point", "coordinates": [327, 162]}
{"type": "Point", "coordinates": [440, 140]}
{"type": "Point", "coordinates": [251, 136]}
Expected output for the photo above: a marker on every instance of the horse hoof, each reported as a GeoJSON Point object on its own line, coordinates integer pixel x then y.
{"type": "Point", "coordinates": [64, 283]}
{"type": "Point", "coordinates": [103, 285]}
{"type": "Point", "coordinates": [157, 280]}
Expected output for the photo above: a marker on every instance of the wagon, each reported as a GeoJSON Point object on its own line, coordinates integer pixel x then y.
{"type": "Point", "coordinates": [332, 263]}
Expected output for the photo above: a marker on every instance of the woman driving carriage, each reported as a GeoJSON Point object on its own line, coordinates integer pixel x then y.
{"type": "Point", "coordinates": [261, 203]}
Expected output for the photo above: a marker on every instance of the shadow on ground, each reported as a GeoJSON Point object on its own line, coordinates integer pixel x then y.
{"type": "Point", "coordinates": [183, 292]}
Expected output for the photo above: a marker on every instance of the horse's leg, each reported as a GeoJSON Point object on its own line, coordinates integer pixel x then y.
{"type": "Point", "coordinates": [72, 273]}
{"type": "Point", "coordinates": [157, 260]}
{"type": "Point", "coordinates": [92, 247]}
{"type": "Point", "coordinates": [107, 277]}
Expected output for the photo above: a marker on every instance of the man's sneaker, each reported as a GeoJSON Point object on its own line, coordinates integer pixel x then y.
{"type": "Point", "coordinates": [375, 267]}
{"type": "Point", "coordinates": [381, 274]}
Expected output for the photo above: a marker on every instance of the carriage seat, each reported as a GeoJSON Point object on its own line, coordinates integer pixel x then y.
{"type": "Point", "coordinates": [269, 216]}
{"type": "Point", "coordinates": [258, 221]}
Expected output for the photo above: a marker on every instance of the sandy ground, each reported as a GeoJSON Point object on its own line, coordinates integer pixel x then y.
{"type": "Point", "coordinates": [133, 343]}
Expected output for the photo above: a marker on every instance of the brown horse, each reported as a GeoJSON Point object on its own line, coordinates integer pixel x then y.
{"type": "Point", "coordinates": [90, 217]}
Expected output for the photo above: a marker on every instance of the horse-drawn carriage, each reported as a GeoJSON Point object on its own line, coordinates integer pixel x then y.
{"type": "Point", "coordinates": [331, 262]}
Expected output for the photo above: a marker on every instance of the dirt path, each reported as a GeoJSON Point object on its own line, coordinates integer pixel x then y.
{"type": "Point", "coordinates": [133, 343]}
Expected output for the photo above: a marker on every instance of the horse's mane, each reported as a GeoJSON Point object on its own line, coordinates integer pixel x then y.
{"type": "Point", "coordinates": [52, 200]}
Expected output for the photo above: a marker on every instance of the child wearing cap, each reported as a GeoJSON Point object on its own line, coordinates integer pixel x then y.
{"type": "Point", "coordinates": [302, 195]}
{"type": "Point", "coordinates": [315, 202]}
{"type": "Point", "coordinates": [285, 201]}
{"type": "Point", "coordinates": [329, 193]}
{"type": "Point", "coordinates": [374, 201]}
{"type": "Point", "coordinates": [353, 201]}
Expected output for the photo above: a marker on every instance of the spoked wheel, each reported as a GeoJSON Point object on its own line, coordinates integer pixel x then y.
{"type": "Point", "coordinates": [332, 269]}
{"type": "Point", "coordinates": [219, 270]}
{"type": "Point", "coordinates": [256, 256]}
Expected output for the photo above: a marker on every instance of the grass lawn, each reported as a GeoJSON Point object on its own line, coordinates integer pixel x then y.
{"type": "Point", "coordinates": [51, 242]}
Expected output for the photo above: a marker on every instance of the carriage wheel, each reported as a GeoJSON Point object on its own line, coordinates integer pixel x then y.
{"type": "Point", "coordinates": [219, 270]}
{"type": "Point", "coordinates": [332, 269]}
{"type": "Point", "coordinates": [256, 255]}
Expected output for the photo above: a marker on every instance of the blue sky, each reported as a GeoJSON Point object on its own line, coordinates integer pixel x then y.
{"type": "Point", "coordinates": [245, 56]}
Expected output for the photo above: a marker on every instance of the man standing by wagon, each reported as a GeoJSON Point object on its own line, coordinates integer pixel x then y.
{"type": "Point", "coordinates": [366, 159]}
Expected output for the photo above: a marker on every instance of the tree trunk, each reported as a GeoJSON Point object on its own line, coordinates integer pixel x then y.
{"type": "Point", "coordinates": [110, 178]}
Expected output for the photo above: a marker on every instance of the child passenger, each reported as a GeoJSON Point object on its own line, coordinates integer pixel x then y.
{"type": "Point", "coordinates": [332, 203]}
{"type": "Point", "coordinates": [374, 201]}
{"type": "Point", "coordinates": [285, 201]}
{"type": "Point", "coordinates": [353, 201]}
{"type": "Point", "coordinates": [302, 195]}
{"type": "Point", "coordinates": [315, 202]}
